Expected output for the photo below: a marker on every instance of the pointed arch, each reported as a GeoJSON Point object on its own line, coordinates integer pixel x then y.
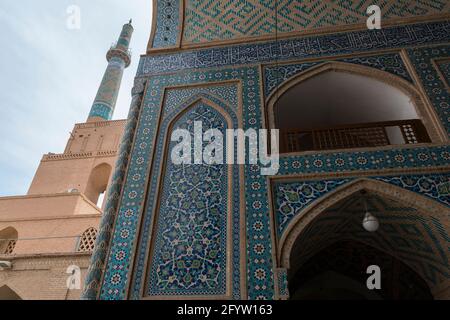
{"type": "Point", "coordinates": [425, 205]}
{"type": "Point", "coordinates": [433, 266]}
{"type": "Point", "coordinates": [191, 102]}
{"type": "Point", "coordinates": [422, 107]}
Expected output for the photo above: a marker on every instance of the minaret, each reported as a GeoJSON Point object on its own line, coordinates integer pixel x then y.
{"type": "Point", "coordinates": [118, 58]}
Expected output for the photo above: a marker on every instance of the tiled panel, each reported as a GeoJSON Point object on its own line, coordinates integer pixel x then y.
{"type": "Point", "coordinates": [298, 48]}
{"type": "Point", "coordinates": [213, 20]}
{"type": "Point", "coordinates": [292, 198]}
{"type": "Point", "coordinates": [227, 76]}
{"type": "Point", "coordinates": [276, 75]}
{"type": "Point", "coordinates": [435, 87]}
{"type": "Point", "coordinates": [168, 22]}
{"type": "Point", "coordinates": [190, 251]}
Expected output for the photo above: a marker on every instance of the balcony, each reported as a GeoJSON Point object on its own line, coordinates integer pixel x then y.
{"type": "Point", "coordinates": [366, 135]}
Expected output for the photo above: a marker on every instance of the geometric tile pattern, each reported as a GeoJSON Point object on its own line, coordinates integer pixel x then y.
{"type": "Point", "coordinates": [444, 67]}
{"type": "Point", "coordinates": [185, 97]}
{"type": "Point", "coordinates": [168, 20]}
{"type": "Point", "coordinates": [392, 63]}
{"type": "Point", "coordinates": [93, 286]}
{"type": "Point", "coordinates": [260, 272]}
{"type": "Point", "coordinates": [176, 97]}
{"type": "Point", "coordinates": [119, 58]}
{"type": "Point", "coordinates": [259, 268]}
{"type": "Point", "coordinates": [101, 110]}
{"type": "Point", "coordinates": [282, 281]}
{"type": "Point", "coordinates": [419, 240]}
{"type": "Point", "coordinates": [108, 91]}
{"type": "Point", "coordinates": [291, 198]}
{"type": "Point", "coordinates": [434, 85]}
{"type": "Point", "coordinates": [298, 48]}
{"type": "Point", "coordinates": [222, 20]}
{"type": "Point", "coordinates": [432, 186]}
{"type": "Point", "coordinates": [259, 257]}
{"type": "Point", "coordinates": [419, 157]}
{"type": "Point", "coordinates": [190, 244]}
{"type": "Point", "coordinates": [213, 68]}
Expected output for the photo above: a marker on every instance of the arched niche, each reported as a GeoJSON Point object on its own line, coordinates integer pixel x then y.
{"type": "Point", "coordinates": [98, 182]}
{"type": "Point", "coordinates": [87, 240]}
{"type": "Point", "coordinates": [339, 105]}
{"type": "Point", "coordinates": [194, 200]}
{"type": "Point", "coordinates": [410, 223]}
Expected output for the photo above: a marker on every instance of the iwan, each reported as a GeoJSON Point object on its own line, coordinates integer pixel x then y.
{"type": "Point", "coordinates": [201, 311]}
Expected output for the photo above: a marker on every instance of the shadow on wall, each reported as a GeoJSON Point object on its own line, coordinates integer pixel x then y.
{"type": "Point", "coordinates": [98, 183]}
{"type": "Point", "coordinates": [6, 293]}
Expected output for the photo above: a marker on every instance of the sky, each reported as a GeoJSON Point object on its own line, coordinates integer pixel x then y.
{"type": "Point", "coordinates": [50, 73]}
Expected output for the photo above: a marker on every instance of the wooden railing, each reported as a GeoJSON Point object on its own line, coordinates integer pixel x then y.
{"type": "Point", "coordinates": [376, 134]}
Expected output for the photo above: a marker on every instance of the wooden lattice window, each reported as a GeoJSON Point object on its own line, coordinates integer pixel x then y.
{"type": "Point", "coordinates": [353, 136]}
{"type": "Point", "coordinates": [8, 240]}
{"type": "Point", "coordinates": [87, 240]}
{"type": "Point", "coordinates": [9, 249]}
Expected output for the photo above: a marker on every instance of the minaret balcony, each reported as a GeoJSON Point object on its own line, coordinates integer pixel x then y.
{"type": "Point", "coordinates": [115, 51]}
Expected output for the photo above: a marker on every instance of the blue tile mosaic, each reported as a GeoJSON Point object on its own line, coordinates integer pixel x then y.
{"type": "Point", "coordinates": [291, 198]}
{"type": "Point", "coordinates": [191, 241]}
{"type": "Point", "coordinates": [299, 48]}
{"type": "Point", "coordinates": [226, 76]}
{"type": "Point", "coordinates": [168, 17]}
{"type": "Point", "coordinates": [276, 75]}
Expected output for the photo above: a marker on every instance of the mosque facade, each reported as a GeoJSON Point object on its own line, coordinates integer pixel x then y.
{"type": "Point", "coordinates": [362, 178]}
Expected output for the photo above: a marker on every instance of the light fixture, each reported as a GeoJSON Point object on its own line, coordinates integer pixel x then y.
{"type": "Point", "coordinates": [370, 222]}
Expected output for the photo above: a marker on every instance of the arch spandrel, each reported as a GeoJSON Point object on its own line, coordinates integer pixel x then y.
{"type": "Point", "coordinates": [425, 112]}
